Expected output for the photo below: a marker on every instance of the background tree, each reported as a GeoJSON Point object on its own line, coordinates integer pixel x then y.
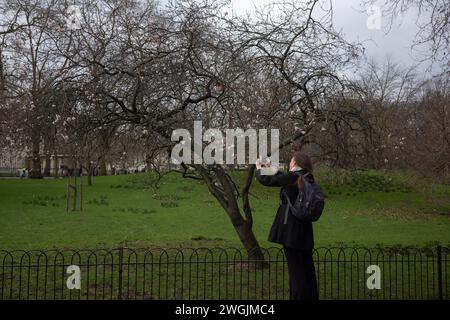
{"type": "Point", "coordinates": [30, 42]}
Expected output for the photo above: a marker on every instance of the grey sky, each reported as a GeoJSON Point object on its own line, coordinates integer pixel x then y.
{"type": "Point", "coordinates": [351, 17]}
{"type": "Point", "coordinates": [392, 40]}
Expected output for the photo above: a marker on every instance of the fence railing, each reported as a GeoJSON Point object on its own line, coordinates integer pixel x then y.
{"type": "Point", "coordinates": [220, 273]}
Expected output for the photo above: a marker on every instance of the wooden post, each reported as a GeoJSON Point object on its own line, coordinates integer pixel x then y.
{"type": "Point", "coordinates": [67, 193]}
{"type": "Point", "coordinates": [81, 194]}
{"type": "Point", "coordinates": [75, 194]}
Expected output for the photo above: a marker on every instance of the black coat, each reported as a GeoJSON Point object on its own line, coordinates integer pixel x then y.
{"type": "Point", "coordinates": [295, 233]}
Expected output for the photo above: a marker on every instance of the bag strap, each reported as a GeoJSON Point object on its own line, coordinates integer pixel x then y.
{"type": "Point", "coordinates": [288, 201]}
{"type": "Point", "coordinates": [288, 207]}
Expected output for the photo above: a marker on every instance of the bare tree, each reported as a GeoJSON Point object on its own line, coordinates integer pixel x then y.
{"type": "Point", "coordinates": [139, 66]}
{"type": "Point", "coordinates": [30, 41]}
{"type": "Point", "coordinates": [426, 142]}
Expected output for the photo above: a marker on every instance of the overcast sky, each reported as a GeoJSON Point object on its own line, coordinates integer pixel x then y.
{"type": "Point", "coordinates": [351, 17]}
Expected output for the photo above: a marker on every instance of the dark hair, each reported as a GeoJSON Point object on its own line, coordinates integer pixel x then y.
{"type": "Point", "coordinates": [303, 161]}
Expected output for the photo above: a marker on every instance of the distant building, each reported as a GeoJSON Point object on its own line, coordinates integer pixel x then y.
{"type": "Point", "coordinates": [11, 160]}
{"type": "Point", "coordinates": [58, 164]}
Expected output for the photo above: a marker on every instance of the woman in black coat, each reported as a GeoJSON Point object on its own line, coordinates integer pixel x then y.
{"type": "Point", "coordinates": [296, 236]}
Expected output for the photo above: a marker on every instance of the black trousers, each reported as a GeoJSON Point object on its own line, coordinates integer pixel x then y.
{"type": "Point", "coordinates": [302, 275]}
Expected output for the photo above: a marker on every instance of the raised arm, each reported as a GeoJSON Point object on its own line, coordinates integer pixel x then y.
{"type": "Point", "coordinates": [277, 180]}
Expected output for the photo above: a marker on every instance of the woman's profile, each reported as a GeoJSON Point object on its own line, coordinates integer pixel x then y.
{"type": "Point", "coordinates": [295, 235]}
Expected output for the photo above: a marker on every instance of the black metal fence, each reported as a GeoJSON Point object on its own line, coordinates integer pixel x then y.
{"type": "Point", "coordinates": [220, 273]}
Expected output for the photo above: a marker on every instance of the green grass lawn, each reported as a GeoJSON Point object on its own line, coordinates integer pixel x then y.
{"type": "Point", "coordinates": [363, 209]}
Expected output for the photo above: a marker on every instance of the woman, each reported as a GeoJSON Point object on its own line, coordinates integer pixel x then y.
{"type": "Point", "coordinates": [296, 236]}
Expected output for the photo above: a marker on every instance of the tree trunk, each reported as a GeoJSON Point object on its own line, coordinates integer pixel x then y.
{"type": "Point", "coordinates": [56, 168]}
{"type": "Point", "coordinates": [2, 77]}
{"type": "Point", "coordinates": [148, 164]}
{"type": "Point", "coordinates": [223, 190]}
{"type": "Point", "coordinates": [103, 171]}
{"type": "Point", "coordinates": [35, 172]}
{"type": "Point", "coordinates": [90, 173]}
{"type": "Point", "coordinates": [248, 239]}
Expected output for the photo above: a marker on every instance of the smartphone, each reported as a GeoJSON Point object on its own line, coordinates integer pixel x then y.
{"type": "Point", "coordinates": [265, 161]}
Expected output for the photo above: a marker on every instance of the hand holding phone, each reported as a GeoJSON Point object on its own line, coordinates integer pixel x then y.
{"type": "Point", "coordinates": [265, 161]}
